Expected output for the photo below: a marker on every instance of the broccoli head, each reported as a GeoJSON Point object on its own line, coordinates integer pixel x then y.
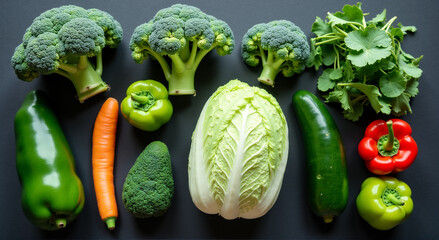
{"type": "Point", "coordinates": [280, 45]}
{"type": "Point", "coordinates": [183, 35]}
{"type": "Point", "coordinates": [62, 40]}
{"type": "Point", "coordinates": [149, 185]}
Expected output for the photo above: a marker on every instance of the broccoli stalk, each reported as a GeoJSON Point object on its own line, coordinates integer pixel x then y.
{"type": "Point", "coordinates": [61, 40]}
{"type": "Point", "coordinates": [271, 67]}
{"type": "Point", "coordinates": [279, 45]}
{"type": "Point", "coordinates": [179, 37]}
{"type": "Point", "coordinates": [85, 78]}
{"type": "Point", "coordinates": [181, 74]}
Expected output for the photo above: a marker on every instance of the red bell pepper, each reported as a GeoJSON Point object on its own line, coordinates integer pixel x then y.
{"type": "Point", "coordinates": [387, 147]}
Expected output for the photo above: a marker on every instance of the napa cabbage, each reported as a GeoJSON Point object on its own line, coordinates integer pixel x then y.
{"type": "Point", "coordinates": [239, 152]}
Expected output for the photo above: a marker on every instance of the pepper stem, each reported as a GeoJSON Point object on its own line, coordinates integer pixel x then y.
{"type": "Point", "coordinates": [328, 218]}
{"type": "Point", "coordinates": [61, 222]}
{"type": "Point", "coordinates": [393, 199]}
{"type": "Point", "coordinates": [388, 145]}
{"type": "Point", "coordinates": [143, 100]}
{"type": "Point", "coordinates": [140, 99]}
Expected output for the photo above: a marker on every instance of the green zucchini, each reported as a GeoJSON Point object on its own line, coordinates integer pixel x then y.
{"type": "Point", "coordinates": [326, 171]}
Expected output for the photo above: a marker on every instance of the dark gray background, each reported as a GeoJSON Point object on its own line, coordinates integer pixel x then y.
{"type": "Point", "coordinates": [290, 217]}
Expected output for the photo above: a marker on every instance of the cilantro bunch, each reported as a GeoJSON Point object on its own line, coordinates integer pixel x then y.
{"type": "Point", "coordinates": [364, 62]}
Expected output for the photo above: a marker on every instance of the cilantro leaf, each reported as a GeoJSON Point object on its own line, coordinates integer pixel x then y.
{"type": "Point", "coordinates": [319, 27]}
{"type": "Point", "coordinates": [410, 66]}
{"type": "Point", "coordinates": [412, 87]}
{"type": "Point", "coordinates": [368, 46]}
{"type": "Point", "coordinates": [379, 20]}
{"type": "Point", "coordinates": [348, 72]}
{"type": "Point", "coordinates": [371, 91]}
{"type": "Point", "coordinates": [355, 113]}
{"type": "Point", "coordinates": [340, 96]}
{"type": "Point", "coordinates": [336, 74]}
{"type": "Point", "coordinates": [350, 15]}
{"type": "Point", "coordinates": [315, 56]}
{"type": "Point", "coordinates": [401, 104]}
{"type": "Point", "coordinates": [328, 55]}
{"type": "Point", "coordinates": [392, 84]}
{"type": "Point", "coordinates": [406, 29]}
{"type": "Point", "coordinates": [324, 83]}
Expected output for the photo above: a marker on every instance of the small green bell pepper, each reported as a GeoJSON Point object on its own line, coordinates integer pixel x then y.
{"type": "Point", "coordinates": [146, 105]}
{"type": "Point", "coordinates": [384, 202]}
{"type": "Point", "coordinates": [52, 194]}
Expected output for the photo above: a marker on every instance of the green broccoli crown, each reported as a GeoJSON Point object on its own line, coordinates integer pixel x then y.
{"type": "Point", "coordinates": [82, 36]}
{"type": "Point", "coordinates": [168, 36]}
{"type": "Point", "coordinates": [182, 34]}
{"type": "Point", "coordinates": [149, 186]}
{"type": "Point", "coordinates": [44, 52]}
{"type": "Point", "coordinates": [280, 45]}
{"type": "Point", "coordinates": [171, 29]}
{"type": "Point", "coordinates": [22, 69]}
{"type": "Point", "coordinates": [79, 32]}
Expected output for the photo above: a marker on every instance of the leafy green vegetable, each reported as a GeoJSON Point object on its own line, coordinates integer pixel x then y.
{"type": "Point", "coordinates": [239, 152]}
{"type": "Point", "coordinates": [364, 62]}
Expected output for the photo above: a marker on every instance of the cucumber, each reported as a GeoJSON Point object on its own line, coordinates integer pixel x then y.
{"type": "Point", "coordinates": [326, 171]}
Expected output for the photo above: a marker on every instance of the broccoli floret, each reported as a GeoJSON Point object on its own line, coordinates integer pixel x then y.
{"type": "Point", "coordinates": [280, 45]}
{"type": "Point", "coordinates": [149, 185]}
{"type": "Point", "coordinates": [62, 40]}
{"type": "Point", "coordinates": [182, 34]}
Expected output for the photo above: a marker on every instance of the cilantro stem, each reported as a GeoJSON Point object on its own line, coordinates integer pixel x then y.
{"type": "Point", "coordinates": [328, 41]}
{"type": "Point", "coordinates": [340, 31]}
{"type": "Point", "coordinates": [388, 24]}
{"type": "Point", "coordinates": [328, 35]}
{"type": "Point", "coordinates": [354, 27]}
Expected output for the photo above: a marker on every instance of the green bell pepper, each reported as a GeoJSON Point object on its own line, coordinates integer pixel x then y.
{"type": "Point", "coordinates": [146, 105]}
{"type": "Point", "coordinates": [52, 194]}
{"type": "Point", "coordinates": [384, 202]}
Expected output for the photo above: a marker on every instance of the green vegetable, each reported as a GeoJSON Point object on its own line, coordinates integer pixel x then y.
{"type": "Point", "coordinates": [364, 63]}
{"type": "Point", "coordinates": [61, 40]}
{"type": "Point", "coordinates": [327, 179]}
{"type": "Point", "coordinates": [146, 105]}
{"type": "Point", "coordinates": [280, 46]}
{"type": "Point", "coordinates": [149, 185]}
{"type": "Point", "coordinates": [184, 35]}
{"type": "Point", "coordinates": [52, 194]}
{"type": "Point", "coordinates": [239, 152]}
{"type": "Point", "coordinates": [384, 202]}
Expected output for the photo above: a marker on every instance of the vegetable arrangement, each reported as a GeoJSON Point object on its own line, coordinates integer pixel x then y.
{"type": "Point", "coordinates": [240, 144]}
{"type": "Point", "coordinates": [365, 64]}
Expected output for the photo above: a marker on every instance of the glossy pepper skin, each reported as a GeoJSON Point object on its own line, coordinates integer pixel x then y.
{"type": "Point", "coordinates": [146, 105]}
{"type": "Point", "coordinates": [384, 202]}
{"type": "Point", "coordinates": [387, 147]}
{"type": "Point", "coordinates": [52, 193]}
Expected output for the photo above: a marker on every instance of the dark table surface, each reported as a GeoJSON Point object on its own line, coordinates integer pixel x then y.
{"type": "Point", "coordinates": [290, 217]}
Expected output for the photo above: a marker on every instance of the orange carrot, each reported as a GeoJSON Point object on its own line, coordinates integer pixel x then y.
{"type": "Point", "coordinates": [104, 140]}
